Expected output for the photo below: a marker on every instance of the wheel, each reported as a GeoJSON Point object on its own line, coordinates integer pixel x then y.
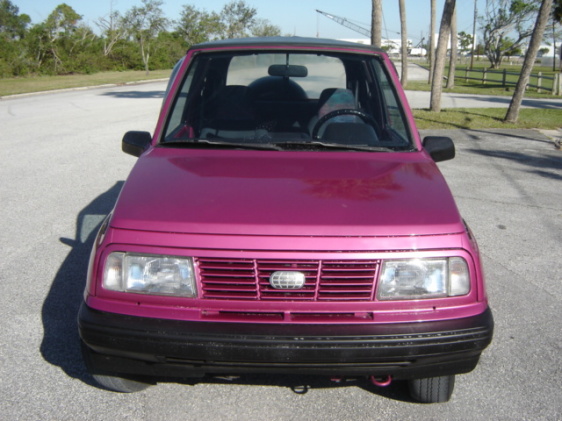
{"type": "Point", "coordinates": [432, 389]}
{"type": "Point", "coordinates": [119, 384]}
{"type": "Point", "coordinates": [346, 111]}
{"type": "Point", "coordinates": [111, 382]}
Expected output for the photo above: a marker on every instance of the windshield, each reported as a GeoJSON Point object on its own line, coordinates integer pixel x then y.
{"type": "Point", "coordinates": [288, 100]}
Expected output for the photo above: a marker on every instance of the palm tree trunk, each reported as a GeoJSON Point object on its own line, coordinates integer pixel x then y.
{"type": "Point", "coordinates": [376, 24]}
{"type": "Point", "coordinates": [542, 19]}
{"type": "Point", "coordinates": [432, 42]}
{"type": "Point", "coordinates": [453, 61]}
{"type": "Point", "coordinates": [444, 31]}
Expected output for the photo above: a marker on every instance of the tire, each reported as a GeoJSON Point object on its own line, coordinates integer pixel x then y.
{"type": "Point", "coordinates": [120, 384]}
{"type": "Point", "coordinates": [432, 389]}
{"type": "Point", "coordinates": [108, 381]}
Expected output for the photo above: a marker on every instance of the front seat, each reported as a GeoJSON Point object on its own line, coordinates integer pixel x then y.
{"type": "Point", "coordinates": [230, 113]}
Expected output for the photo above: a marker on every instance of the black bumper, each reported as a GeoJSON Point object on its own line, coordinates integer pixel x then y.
{"type": "Point", "coordinates": [128, 345]}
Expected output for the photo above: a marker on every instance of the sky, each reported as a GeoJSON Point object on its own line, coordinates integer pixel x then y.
{"type": "Point", "coordinates": [294, 17]}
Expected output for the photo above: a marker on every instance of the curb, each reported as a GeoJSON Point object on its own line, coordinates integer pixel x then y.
{"type": "Point", "coordinates": [554, 135]}
{"type": "Point", "coordinates": [82, 88]}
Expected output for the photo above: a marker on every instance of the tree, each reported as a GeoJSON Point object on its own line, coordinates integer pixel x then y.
{"type": "Point", "coordinates": [502, 18]}
{"type": "Point", "coordinates": [196, 26]}
{"type": "Point", "coordinates": [376, 23]}
{"type": "Point", "coordinates": [169, 49]}
{"type": "Point", "coordinates": [432, 42]}
{"type": "Point", "coordinates": [404, 41]}
{"type": "Point", "coordinates": [444, 31]}
{"type": "Point", "coordinates": [237, 18]}
{"type": "Point", "coordinates": [557, 11]}
{"type": "Point", "coordinates": [453, 56]}
{"type": "Point", "coordinates": [62, 21]}
{"type": "Point", "coordinates": [143, 25]}
{"type": "Point", "coordinates": [556, 19]}
{"type": "Point", "coordinates": [264, 28]}
{"type": "Point", "coordinates": [13, 28]}
{"type": "Point", "coordinates": [542, 19]}
{"type": "Point", "coordinates": [112, 30]}
{"type": "Point", "coordinates": [465, 42]}
{"type": "Point", "coordinates": [58, 30]}
{"type": "Point", "coordinates": [12, 24]}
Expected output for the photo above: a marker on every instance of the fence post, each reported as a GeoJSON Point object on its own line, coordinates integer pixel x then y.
{"type": "Point", "coordinates": [484, 77]}
{"type": "Point", "coordinates": [557, 88]}
{"type": "Point", "coordinates": [539, 82]}
{"type": "Point", "coordinates": [466, 75]}
{"type": "Point", "coordinates": [504, 77]}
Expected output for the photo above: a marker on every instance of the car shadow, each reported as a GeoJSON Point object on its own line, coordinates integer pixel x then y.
{"type": "Point", "coordinates": [302, 384]}
{"type": "Point", "coordinates": [524, 134]}
{"type": "Point", "coordinates": [506, 100]}
{"type": "Point", "coordinates": [545, 166]}
{"type": "Point", "coordinates": [60, 345]}
{"type": "Point", "coordinates": [529, 135]}
{"type": "Point", "coordinates": [135, 94]}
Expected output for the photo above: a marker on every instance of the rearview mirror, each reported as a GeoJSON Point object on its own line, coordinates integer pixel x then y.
{"type": "Point", "coordinates": [287, 70]}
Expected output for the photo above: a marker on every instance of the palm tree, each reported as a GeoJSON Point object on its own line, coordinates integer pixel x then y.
{"type": "Point", "coordinates": [556, 18]}
{"type": "Point", "coordinates": [432, 42]}
{"type": "Point", "coordinates": [404, 40]}
{"type": "Point", "coordinates": [542, 19]}
{"type": "Point", "coordinates": [376, 23]}
{"type": "Point", "coordinates": [444, 31]}
{"type": "Point", "coordinates": [453, 61]}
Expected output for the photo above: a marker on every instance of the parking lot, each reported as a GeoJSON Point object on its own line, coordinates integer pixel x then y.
{"type": "Point", "coordinates": [62, 169]}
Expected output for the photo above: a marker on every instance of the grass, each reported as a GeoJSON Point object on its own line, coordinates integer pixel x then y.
{"type": "Point", "coordinates": [494, 79]}
{"type": "Point", "coordinates": [12, 86]}
{"type": "Point", "coordinates": [486, 118]}
{"type": "Point", "coordinates": [472, 88]}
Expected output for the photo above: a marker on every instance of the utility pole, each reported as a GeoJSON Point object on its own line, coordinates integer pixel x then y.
{"type": "Point", "coordinates": [473, 36]}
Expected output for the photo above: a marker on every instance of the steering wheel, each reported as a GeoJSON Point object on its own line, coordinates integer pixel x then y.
{"type": "Point", "coordinates": [345, 111]}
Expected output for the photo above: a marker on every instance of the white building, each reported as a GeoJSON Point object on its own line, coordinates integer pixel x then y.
{"type": "Point", "coordinates": [392, 46]}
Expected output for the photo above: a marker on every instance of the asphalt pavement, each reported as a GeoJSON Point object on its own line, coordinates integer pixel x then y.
{"type": "Point", "coordinates": [62, 169]}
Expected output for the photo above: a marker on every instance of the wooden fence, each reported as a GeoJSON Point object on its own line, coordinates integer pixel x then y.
{"type": "Point", "coordinates": [541, 83]}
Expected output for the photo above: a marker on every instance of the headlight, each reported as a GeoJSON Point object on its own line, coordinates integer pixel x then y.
{"type": "Point", "coordinates": [423, 278]}
{"type": "Point", "coordinates": [149, 274]}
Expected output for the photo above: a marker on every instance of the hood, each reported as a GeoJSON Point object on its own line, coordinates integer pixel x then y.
{"type": "Point", "coordinates": [286, 194]}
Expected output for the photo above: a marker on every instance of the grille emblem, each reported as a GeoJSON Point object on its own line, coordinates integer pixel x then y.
{"type": "Point", "coordinates": [287, 280]}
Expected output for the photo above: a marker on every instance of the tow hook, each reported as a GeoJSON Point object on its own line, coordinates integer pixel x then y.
{"type": "Point", "coordinates": [381, 381]}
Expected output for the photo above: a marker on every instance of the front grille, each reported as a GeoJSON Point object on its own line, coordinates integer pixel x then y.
{"type": "Point", "coordinates": [326, 280]}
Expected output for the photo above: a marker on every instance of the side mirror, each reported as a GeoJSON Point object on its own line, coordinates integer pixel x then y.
{"type": "Point", "coordinates": [135, 143]}
{"type": "Point", "coordinates": [439, 148]}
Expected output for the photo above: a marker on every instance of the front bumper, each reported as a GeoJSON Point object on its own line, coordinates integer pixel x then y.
{"type": "Point", "coordinates": [128, 345]}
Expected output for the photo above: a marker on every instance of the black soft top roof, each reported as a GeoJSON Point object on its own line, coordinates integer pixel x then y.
{"type": "Point", "coordinates": [289, 42]}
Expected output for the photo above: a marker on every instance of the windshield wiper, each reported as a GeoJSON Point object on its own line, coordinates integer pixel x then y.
{"type": "Point", "coordinates": [279, 146]}
{"type": "Point", "coordinates": [205, 143]}
{"type": "Point", "coordinates": [336, 146]}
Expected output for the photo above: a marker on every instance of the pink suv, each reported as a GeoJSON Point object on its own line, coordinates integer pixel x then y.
{"type": "Point", "coordinates": [285, 216]}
